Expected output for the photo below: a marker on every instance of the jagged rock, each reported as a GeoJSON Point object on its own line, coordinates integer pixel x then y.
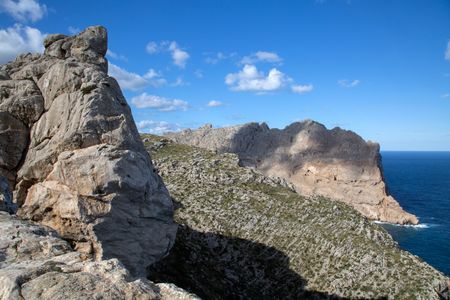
{"type": "Point", "coordinates": [335, 163]}
{"type": "Point", "coordinates": [35, 263]}
{"type": "Point", "coordinates": [71, 151]}
{"type": "Point", "coordinates": [243, 235]}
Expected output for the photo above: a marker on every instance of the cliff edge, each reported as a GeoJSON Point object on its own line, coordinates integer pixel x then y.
{"type": "Point", "coordinates": [334, 163]}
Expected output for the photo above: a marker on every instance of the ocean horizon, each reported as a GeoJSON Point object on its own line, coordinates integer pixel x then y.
{"type": "Point", "coordinates": [420, 182]}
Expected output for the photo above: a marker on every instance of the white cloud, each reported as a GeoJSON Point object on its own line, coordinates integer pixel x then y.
{"type": "Point", "coordinates": [348, 83]}
{"type": "Point", "coordinates": [179, 56]}
{"type": "Point", "coordinates": [73, 30]}
{"type": "Point", "coordinates": [302, 89]}
{"type": "Point", "coordinates": [160, 103]}
{"type": "Point", "coordinates": [445, 95]}
{"type": "Point", "coordinates": [157, 127]}
{"type": "Point", "coordinates": [23, 10]}
{"type": "Point", "coordinates": [447, 52]}
{"type": "Point", "coordinates": [19, 39]}
{"type": "Point", "coordinates": [214, 103]}
{"type": "Point", "coordinates": [198, 73]}
{"type": "Point", "coordinates": [261, 56]}
{"type": "Point", "coordinates": [152, 48]}
{"type": "Point", "coordinates": [134, 82]}
{"type": "Point", "coordinates": [116, 56]}
{"type": "Point", "coordinates": [250, 79]}
{"type": "Point", "coordinates": [127, 80]}
{"type": "Point", "coordinates": [179, 82]}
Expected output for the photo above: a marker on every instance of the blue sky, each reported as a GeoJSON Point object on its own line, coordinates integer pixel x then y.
{"type": "Point", "coordinates": [379, 68]}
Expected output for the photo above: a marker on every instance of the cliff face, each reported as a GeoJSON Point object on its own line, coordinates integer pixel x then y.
{"type": "Point", "coordinates": [334, 163]}
{"type": "Point", "coordinates": [244, 235]}
{"type": "Point", "coordinates": [71, 152]}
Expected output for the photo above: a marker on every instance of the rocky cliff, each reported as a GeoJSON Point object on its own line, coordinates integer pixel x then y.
{"type": "Point", "coordinates": [72, 155]}
{"type": "Point", "coordinates": [334, 163]}
{"type": "Point", "coordinates": [244, 235]}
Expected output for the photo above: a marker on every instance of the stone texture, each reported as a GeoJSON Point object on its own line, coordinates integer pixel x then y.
{"type": "Point", "coordinates": [72, 154]}
{"type": "Point", "coordinates": [35, 263]}
{"type": "Point", "coordinates": [335, 163]}
{"type": "Point", "coordinates": [244, 235]}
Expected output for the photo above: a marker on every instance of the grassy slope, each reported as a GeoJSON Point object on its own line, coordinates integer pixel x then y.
{"type": "Point", "coordinates": [331, 247]}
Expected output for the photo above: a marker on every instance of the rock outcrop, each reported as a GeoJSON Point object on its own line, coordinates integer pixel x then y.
{"type": "Point", "coordinates": [335, 163]}
{"type": "Point", "coordinates": [247, 236]}
{"type": "Point", "coordinates": [35, 263]}
{"type": "Point", "coordinates": [71, 152]}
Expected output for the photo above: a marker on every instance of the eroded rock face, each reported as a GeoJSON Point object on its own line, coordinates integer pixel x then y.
{"type": "Point", "coordinates": [335, 163]}
{"type": "Point", "coordinates": [35, 263]}
{"type": "Point", "coordinates": [71, 151]}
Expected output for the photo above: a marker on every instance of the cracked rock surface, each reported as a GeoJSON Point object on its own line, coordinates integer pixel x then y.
{"type": "Point", "coordinates": [71, 153]}
{"type": "Point", "coordinates": [35, 263]}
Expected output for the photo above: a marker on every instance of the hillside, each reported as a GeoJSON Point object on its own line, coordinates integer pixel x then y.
{"type": "Point", "coordinates": [245, 235]}
{"type": "Point", "coordinates": [335, 163]}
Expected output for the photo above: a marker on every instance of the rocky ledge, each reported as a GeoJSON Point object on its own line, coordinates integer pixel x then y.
{"type": "Point", "coordinates": [335, 163]}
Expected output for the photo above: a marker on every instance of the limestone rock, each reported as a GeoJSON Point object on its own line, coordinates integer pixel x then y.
{"type": "Point", "coordinates": [72, 154]}
{"type": "Point", "coordinates": [35, 263]}
{"type": "Point", "coordinates": [335, 163]}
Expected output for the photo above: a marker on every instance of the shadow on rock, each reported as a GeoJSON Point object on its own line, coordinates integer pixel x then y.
{"type": "Point", "coordinates": [215, 266]}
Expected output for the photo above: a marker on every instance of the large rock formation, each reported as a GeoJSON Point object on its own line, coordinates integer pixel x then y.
{"type": "Point", "coordinates": [247, 236]}
{"type": "Point", "coordinates": [35, 263]}
{"type": "Point", "coordinates": [335, 163]}
{"type": "Point", "coordinates": [70, 150]}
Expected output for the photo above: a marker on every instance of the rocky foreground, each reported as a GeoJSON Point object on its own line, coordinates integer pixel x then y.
{"type": "Point", "coordinates": [243, 235]}
{"type": "Point", "coordinates": [91, 214]}
{"type": "Point", "coordinates": [335, 163]}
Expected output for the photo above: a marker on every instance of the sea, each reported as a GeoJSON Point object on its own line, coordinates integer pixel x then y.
{"type": "Point", "coordinates": [420, 182]}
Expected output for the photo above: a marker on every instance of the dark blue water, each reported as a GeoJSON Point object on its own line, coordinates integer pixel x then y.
{"type": "Point", "coordinates": [420, 181]}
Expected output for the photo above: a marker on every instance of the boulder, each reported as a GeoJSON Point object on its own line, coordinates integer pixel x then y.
{"type": "Point", "coordinates": [35, 263]}
{"type": "Point", "coordinates": [72, 154]}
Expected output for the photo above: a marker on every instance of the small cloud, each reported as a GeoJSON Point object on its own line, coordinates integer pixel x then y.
{"type": "Point", "coordinates": [179, 82]}
{"type": "Point", "coordinates": [261, 56]}
{"type": "Point", "coordinates": [250, 79]}
{"type": "Point", "coordinates": [157, 127]}
{"type": "Point", "coordinates": [134, 82]}
{"type": "Point", "coordinates": [302, 89]}
{"type": "Point", "coordinates": [214, 59]}
{"type": "Point", "coordinates": [23, 10]}
{"type": "Point", "coordinates": [114, 55]}
{"type": "Point", "coordinates": [127, 80]}
{"type": "Point", "coordinates": [198, 73]}
{"type": "Point", "coordinates": [445, 95]}
{"type": "Point", "coordinates": [19, 39]}
{"type": "Point", "coordinates": [214, 103]}
{"type": "Point", "coordinates": [348, 83]}
{"type": "Point", "coordinates": [447, 52]}
{"type": "Point", "coordinates": [152, 48]}
{"type": "Point", "coordinates": [73, 30]}
{"type": "Point", "coordinates": [159, 103]}
{"type": "Point", "coordinates": [179, 56]}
